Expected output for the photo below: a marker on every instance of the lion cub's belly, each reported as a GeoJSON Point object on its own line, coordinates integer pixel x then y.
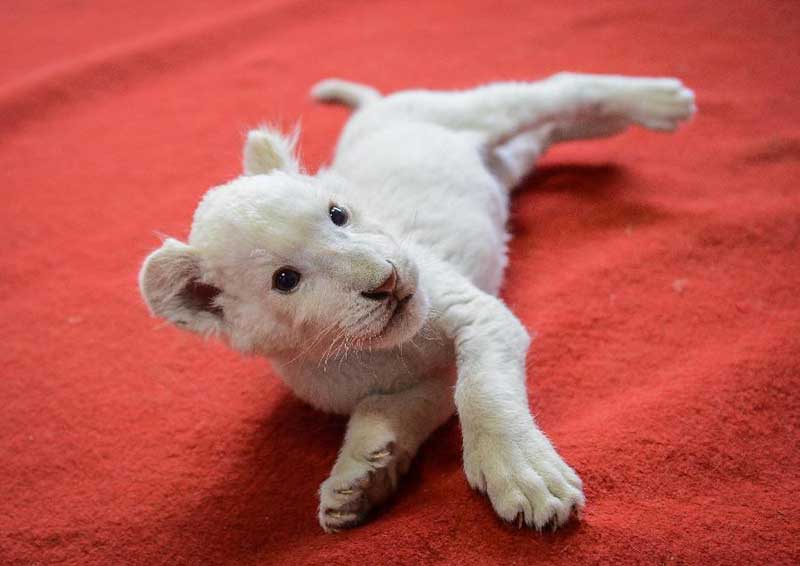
{"type": "Point", "coordinates": [336, 385]}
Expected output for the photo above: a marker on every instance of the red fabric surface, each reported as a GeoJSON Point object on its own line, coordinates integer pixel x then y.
{"type": "Point", "coordinates": [661, 273]}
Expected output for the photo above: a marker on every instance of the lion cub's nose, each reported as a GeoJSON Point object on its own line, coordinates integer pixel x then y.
{"type": "Point", "coordinates": [385, 290]}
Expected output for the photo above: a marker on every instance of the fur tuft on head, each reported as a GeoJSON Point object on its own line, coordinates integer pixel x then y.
{"type": "Point", "coordinates": [267, 149]}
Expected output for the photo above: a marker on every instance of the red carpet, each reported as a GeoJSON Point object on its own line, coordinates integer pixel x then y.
{"type": "Point", "coordinates": [661, 273]}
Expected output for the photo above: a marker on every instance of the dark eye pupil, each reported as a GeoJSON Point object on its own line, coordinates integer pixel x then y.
{"type": "Point", "coordinates": [285, 279]}
{"type": "Point", "coordinates": [338, 216]}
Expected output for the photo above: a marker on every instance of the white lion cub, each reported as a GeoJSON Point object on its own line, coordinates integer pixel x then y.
{"type": "Point", "coordinates": [369, 283]}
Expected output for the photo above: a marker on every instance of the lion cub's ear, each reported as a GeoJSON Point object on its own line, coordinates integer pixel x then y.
{"type": "Point", "coordinates": [171, 282]}
{"type": "Point", "coordinates": [266, 150]}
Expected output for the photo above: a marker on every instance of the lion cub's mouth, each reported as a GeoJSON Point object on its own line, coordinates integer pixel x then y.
{"type": "Point", "coordinates": [399, 309]}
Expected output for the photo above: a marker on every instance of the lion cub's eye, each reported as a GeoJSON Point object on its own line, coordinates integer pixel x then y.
{"type": "Point", "coordinates": [285, 279]}
{"type": "Point", "coordinates": [338, 215]}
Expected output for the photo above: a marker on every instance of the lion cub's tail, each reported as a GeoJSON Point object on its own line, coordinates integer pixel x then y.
{"type": "Point", "coordinates": [348, 93]}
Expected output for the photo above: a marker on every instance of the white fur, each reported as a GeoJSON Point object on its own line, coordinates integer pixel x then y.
{"type": "Point", "coordinates": [345, 92]}
{"type": "Point", "coordinates": [267, 150]}
{"type": "Point", "coordinates": [426, 178]}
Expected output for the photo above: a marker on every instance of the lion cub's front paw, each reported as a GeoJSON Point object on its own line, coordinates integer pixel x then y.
{"type": "Point", "coordinates": [525, 479]}
{"type": "Point", "coordinates": [357, 484]}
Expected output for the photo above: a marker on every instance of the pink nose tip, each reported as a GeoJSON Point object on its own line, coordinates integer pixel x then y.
{"type": "Point", "coordinates": [385, 290]}
{"type": "Point", "coordinates": [389, 285]}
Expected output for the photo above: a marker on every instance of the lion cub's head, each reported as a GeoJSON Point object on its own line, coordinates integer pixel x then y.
{"type": "Point", "coordinates": [278, 261]}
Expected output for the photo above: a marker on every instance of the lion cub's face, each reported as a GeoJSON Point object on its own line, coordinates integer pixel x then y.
{"type": "Point", "coordinates": [282, 262]}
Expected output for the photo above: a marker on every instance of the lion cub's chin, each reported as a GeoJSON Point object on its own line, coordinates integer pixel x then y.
{"type": "Point", "coordinates": [405, 321]}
